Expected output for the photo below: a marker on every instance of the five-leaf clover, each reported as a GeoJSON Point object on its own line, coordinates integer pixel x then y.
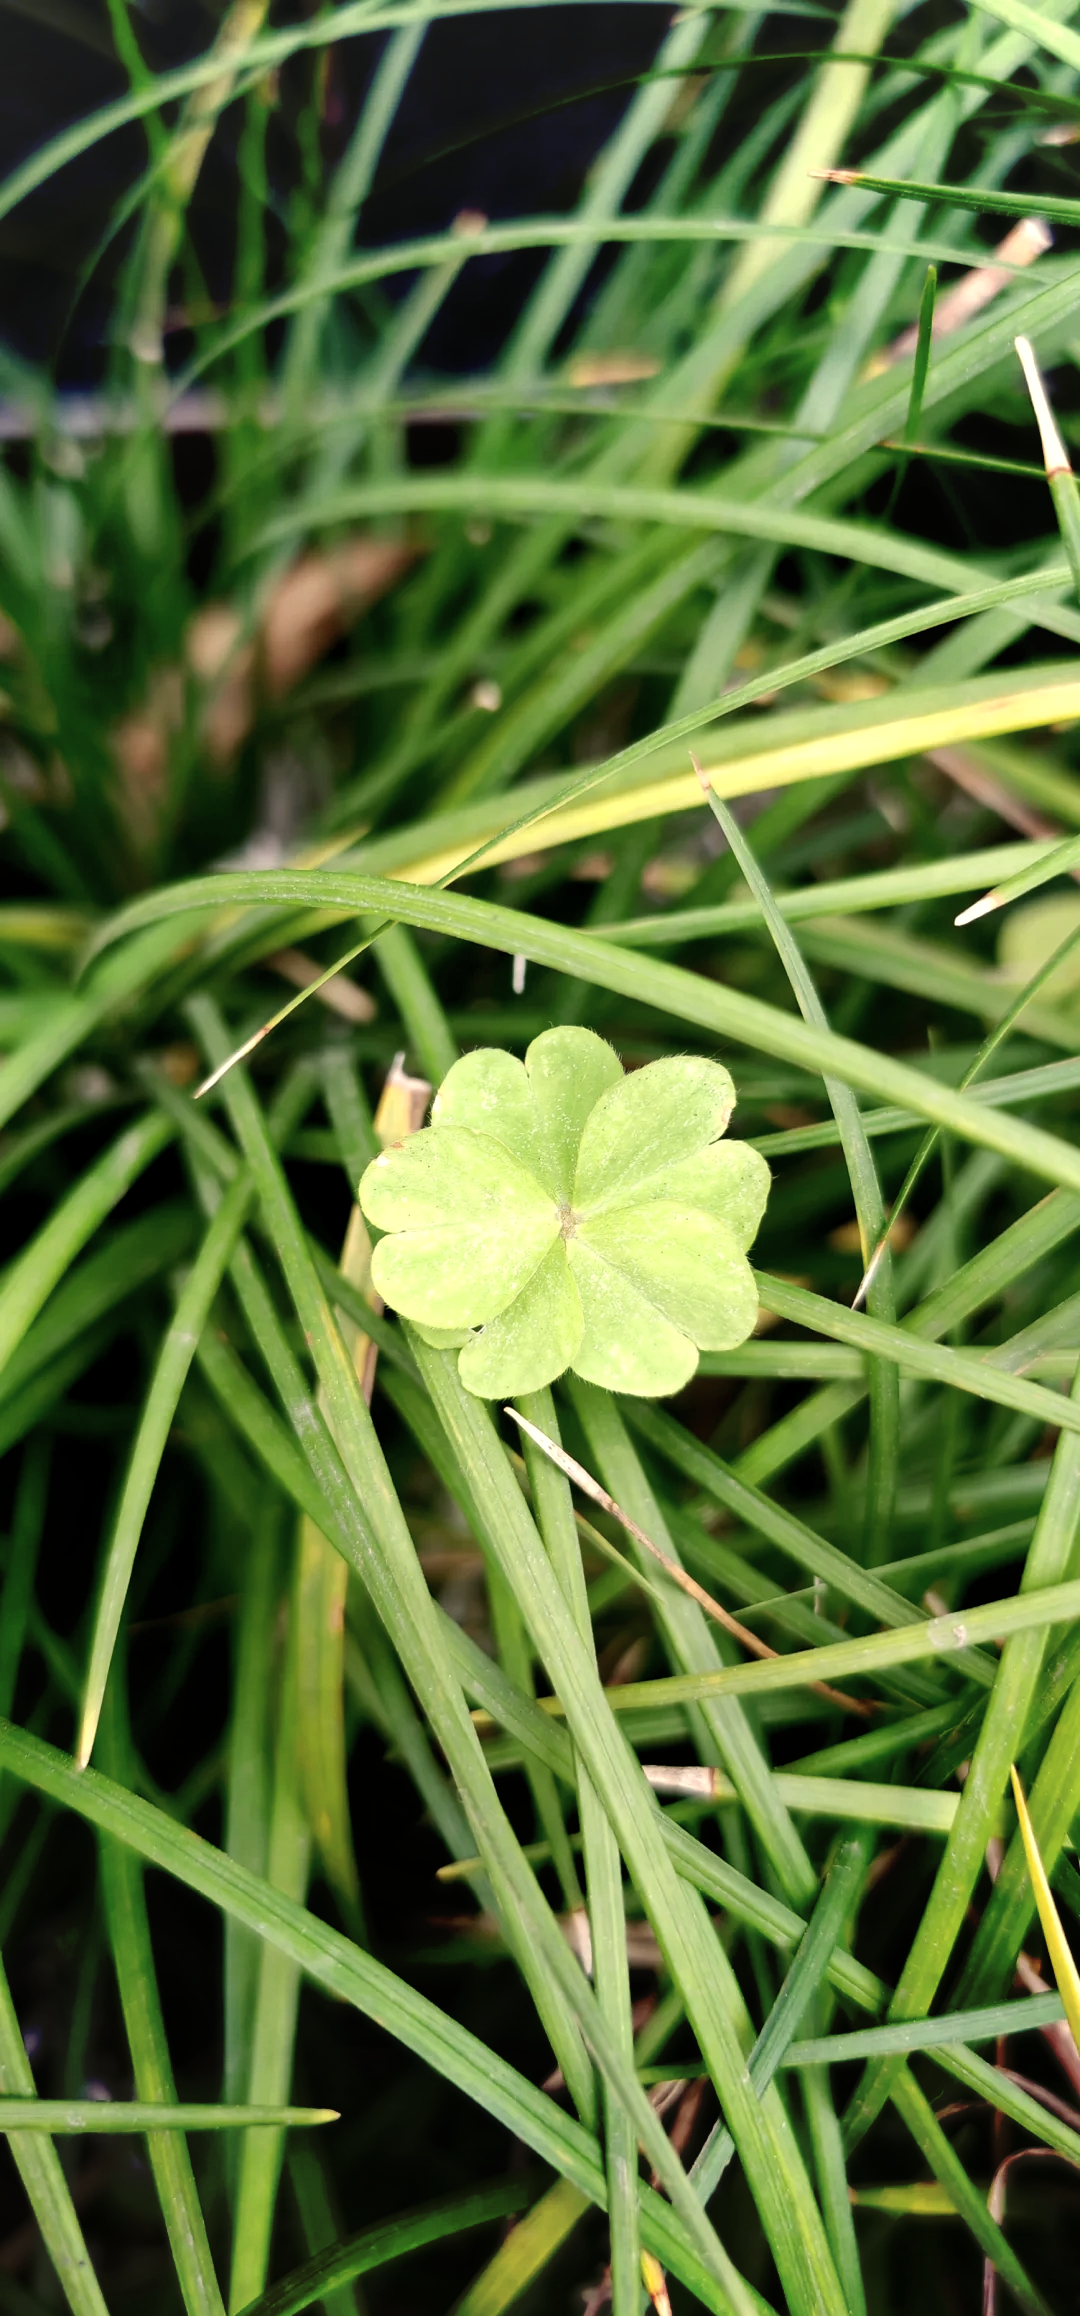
{"type": "Point", "coordinates": [557, 1213]}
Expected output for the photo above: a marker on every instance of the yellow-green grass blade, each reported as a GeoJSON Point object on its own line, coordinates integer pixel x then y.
{"type": "Point", "coordinates": [1055, 1797]}
{"type": "Point", "coordinates": [1057, 1945]}
{"type": "Point", "coordinates": [525, 2253]}
{"type": "Point", "coordinates": [837, 897]}
{"type": "Point", "coordinates": [939, 1637]}
{"type": "Point", "coordinates": [1054, 861]}
{"type": "Point", "coordinates": [934, 1362]}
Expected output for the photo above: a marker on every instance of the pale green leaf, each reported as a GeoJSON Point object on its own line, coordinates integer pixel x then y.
{"type": "Point", "coordinates": [488, 1092]}
{"type": "Point", "coordinates": [668, 1111]}
{"type": "Point", "coordinates": [531, 1342]}
{"type": "Point", "coordinates": [469, 1226]}
{"type": "Point", "coordinates": [728, 1180]}
{"type": "Point", "coordinates": [627, 1344]}
{"type": "Point", "coordinates": [687, 1264]}
{"type": "Point", "coordinates": [569, 1070]}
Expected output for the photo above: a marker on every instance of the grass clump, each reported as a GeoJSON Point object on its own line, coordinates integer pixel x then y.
{"type": "Point", "coordinates": [594, 1816]}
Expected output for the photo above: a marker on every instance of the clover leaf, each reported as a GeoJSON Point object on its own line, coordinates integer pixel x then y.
{"type": "Point", "coordinates": [557, 1213]}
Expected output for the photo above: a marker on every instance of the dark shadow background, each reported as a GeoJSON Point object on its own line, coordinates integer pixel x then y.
{"type": "Point", "coordinates": [504, 114]}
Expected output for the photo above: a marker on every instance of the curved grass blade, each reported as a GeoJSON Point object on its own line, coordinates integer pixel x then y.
{"type": "Point", "coordinates": [687, 996]}
{"type": "Point", "coordinates": [375, 2247]}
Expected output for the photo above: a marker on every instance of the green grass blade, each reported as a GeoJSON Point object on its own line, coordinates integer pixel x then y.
{"type": "Point", "coordinates": [805, 1976]}
{"type": "Point", "coordinates": [998, 1741]}
{"type": "Point", "coordinates": [606, 1907]}
{"type": "Point", "coordinates": [277, 1987]}
{"type": "Point", "coordinates": [788, 2212]}
{"type": "Point", "coordinates": [866, 1191]}
{"type": "Point", "coordinates": [133, 1960]}
{"type": "Point", "coordinates": [1053, 1804]}
{"type": "Point", "coordinates": [346, 1973]}
{"type": "Point", "coordinates": [38, 2166]}
{"type": "Point", "coordinates": [170, 1375]}
{"type": "Point", "coordinates": [43, 1263]}
{"type": "Point", "coordinates": [725, 1736]}
{"type": "Point", "coordinates": [915, 2110]}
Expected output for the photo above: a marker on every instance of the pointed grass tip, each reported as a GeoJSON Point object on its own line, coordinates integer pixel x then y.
{"type": "Point", "coordinates": [837, 176]}
{"type": "Point", "coordinates": [1055, 455]}
{"type": "Point", "coordinates": [983, 908]}
{"type": "Point", "coordinates": [703, 780]}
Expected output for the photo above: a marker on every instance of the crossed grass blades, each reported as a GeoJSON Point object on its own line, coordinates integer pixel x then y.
{"type": "Point", "coordinates": [634, 1864]}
